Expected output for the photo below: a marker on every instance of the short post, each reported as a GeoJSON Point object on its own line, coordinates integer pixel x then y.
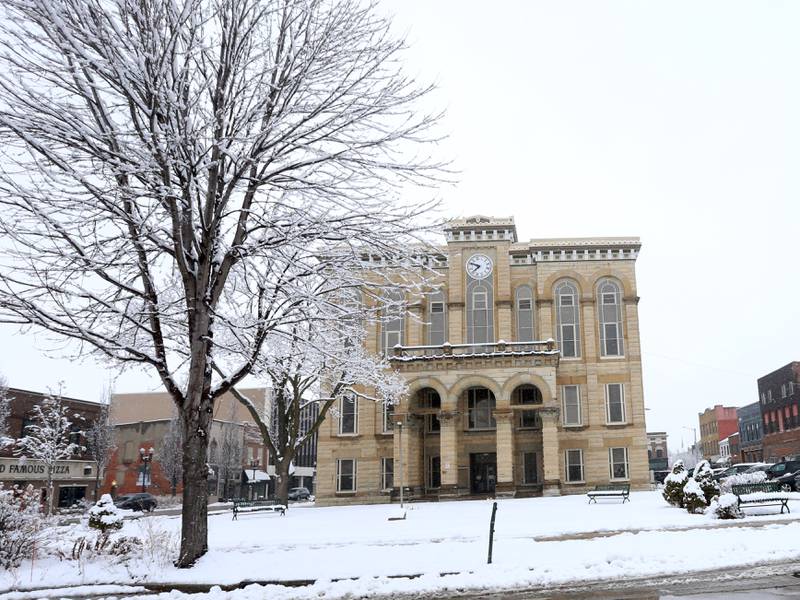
{"type": "Point", "coordinates": [491, 532]}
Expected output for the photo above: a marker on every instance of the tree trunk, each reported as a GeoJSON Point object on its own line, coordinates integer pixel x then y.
{"type": "Point", "coordinates": [50, 491]}
{"type": "Point", "coordinates": [96, 481]}
{"type": "Point", "coordinates": [282, 487]}
{"type": "Point", "coordinates": [196, 425]}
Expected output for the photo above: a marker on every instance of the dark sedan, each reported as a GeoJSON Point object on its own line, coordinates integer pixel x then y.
{"type": "Point", "coordinates": [141, 502]}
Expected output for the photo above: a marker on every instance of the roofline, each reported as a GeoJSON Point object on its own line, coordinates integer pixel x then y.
{"type": "Point", "coordinates": [45, 395]}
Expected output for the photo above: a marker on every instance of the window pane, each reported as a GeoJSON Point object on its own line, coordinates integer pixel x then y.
{"type": "Point", "coordinates": [388, 473]}
{"type": "Point", "coordinates": [616, 405]}
{"type": "Point", "coordinates": [574, 465]}
{"type": "Point", "coordinates": [434, 472]}
{"type": "Point", "coordinates": [572, 410]}
{"type": "Point", "coordinates": [349, 411]}
{"type": "Point", "coordinates": [529, 467]}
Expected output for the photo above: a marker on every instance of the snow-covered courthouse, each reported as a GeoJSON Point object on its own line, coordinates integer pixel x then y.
{"type": "Point", "coordinates": [524, 375]}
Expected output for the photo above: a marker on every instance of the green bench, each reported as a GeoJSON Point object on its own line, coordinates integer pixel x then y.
{"type": "Point", "coordinates": [768, 493]}
{"type": "Point", "coordinates": [611, 490]}
{"type": "Point", "coordinates": [248, 506]}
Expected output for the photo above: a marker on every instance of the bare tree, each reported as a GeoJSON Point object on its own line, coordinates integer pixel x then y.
{"type": "Point", "coordinates": [48, 438]}
{"type": "Point", "coordinates": [100, 442]}
{"type": "Point", "coordinates": [172, 170]}
{"type": "Point", "coordinates": [231, 452]}
{"type": "Point", "coordinates": [5, 413]}
{"type": "Point", "coordinates": [321, 362]}
{"type": "Point", "coordinates": [169, 455]}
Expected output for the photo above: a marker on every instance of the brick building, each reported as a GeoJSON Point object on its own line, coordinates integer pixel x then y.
{"type": "Point", "coordinates": [751, 448]}
{"type": "Point", "coordinates": [716, 424]}
{"type": "Point", "coordinates": [658, 454]}
{"type": "Point", "coordinates": [779, 397]}
{"type": "Point", "coordinates": [74, 479]}
{"type": "Point", "coordinates": [524, 375]}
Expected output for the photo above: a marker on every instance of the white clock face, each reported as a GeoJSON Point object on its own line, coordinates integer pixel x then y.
{"type": "Point", "coordinates": [479, 266]}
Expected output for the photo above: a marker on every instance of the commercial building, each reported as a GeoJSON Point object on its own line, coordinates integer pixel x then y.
{"type": "Point", "coordinates": [751, 448]}
{"type": "Point", "coordinates": [73, 479]}
{"type": "Point", "coordinates": [658, 454]}
{"type": "Point", "coordinates": [716, 424]}
{"type": "Point", "coordinates": [236, 454]}
{"type": "Point", "coordinates": [524, 376]}
{"type": "Point", "coordinates": [779, 396]}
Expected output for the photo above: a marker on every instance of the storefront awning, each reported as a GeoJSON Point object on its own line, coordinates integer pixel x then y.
{"type": "Point", "coordinates": [259, 475]}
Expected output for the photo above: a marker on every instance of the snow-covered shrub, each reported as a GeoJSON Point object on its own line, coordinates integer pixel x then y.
{"type": "Point", "coordinates": [693, 498]}
{"type": "Point", "coordinates": [21, 524]}
{"type": "Point", "coordinates": [104, 515]}
{"type": "Point", "coordinates": [742, 479]}
{"type": "Point", "coordinates": [725, 506]}
{"type": "Point", "coordinates": [704, 476]}
{"type": "Point", "coordinates": [673, 484]}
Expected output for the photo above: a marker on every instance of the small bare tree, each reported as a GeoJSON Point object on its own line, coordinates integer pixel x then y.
{"type": "Point", "coordinates": [173, 172]}
{"type": "Point", "coordinates": [5, 413]}
{"type": "Point", "coordinates": [321, 362]}
{"type": "Point", "coordinates": [100, 442]}
{"type": "Point", "coordinates": [48, 438]}
{"type": "Point", "coordinates": [231, 452]}
{"type": "Point", "coordinates": [169, 455]}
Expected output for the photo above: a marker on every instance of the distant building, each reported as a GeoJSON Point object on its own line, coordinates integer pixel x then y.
{"type": "Point", "coordinates": [779, 397]}
{"type": "Point", "coordinates": [733, 446]}
{"type": "Point", "coordinates": [658, 454]}
{"type": "Point", "coordinates": [716, 424]}
{"type": "Point", "coordinates": [725, 450]}
{"type": "Point", "coordinates": [237, 454]}
{"type": "Point", "coordinates": [751, 433]}
{"type": "Point", "coordinates": [305, 461]}
{"type": "Point", "coordinates": [74, 479]}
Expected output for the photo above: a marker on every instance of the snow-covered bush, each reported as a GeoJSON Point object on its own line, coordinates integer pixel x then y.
{"type": "Point", "coordinates": [704, 476]}
{"type": "Point", "coordinates": [673, 484]}
{"type": "Point", "coordinates": [693, 498]}
{"type": "Point", "coordinates": [742, 479]}
{"type": "Point", "coordinates": [725, 506]}
{"type": "Point", "coordinates": [104, 515]}
{"type": "Point", "coordinates": [21, 524]}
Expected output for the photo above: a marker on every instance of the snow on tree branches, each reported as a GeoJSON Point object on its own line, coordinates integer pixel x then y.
{"type": "Point", "coordinates": [49, 437]}
{"type": "Point", "coordinates": [674, 484]}
{"type": "Point", "coordinates": [177, 173]}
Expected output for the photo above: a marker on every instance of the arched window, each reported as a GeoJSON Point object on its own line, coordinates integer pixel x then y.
{"type": "Point", "coordinates": [527, 395]}
{"type": "Point", "coordinates": [610, 317]}
{"type": "Point", "coordinates": [524, 306]}
{"type": "Point", "coordinates": [567, 315]}
{"type": "Point", "coordinates": [437, 316]}
{"type": "Point", "coordinates": [480, 311]}
{"type": "Point", "coordinates": [393, 323]}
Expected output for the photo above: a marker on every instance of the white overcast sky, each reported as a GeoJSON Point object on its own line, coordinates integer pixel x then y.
{"type": "Point", "coordinates": [678, 122]}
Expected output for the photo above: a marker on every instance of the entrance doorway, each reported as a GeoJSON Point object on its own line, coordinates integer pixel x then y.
{"type": "Point", "coordinates": [482, 472]}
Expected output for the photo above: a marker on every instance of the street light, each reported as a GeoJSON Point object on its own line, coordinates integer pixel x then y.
{"type": "Point", "coordinates": [254, 462]}
{"type": "Point", "coordinates": [146, 456]}
{"type": "Point", "coordinates": [400, 436]}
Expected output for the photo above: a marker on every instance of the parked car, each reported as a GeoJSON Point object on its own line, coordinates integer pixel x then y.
{"type": "Point", "coordinates": [763, 467]}
{"type": "Point", "coordinates": [141, 502]}
{"type": "Point", "coordinates": [299, 493]}
{"type": "Point", "coordinates": [734, 470]}
{"type": "Point", "coordinates": [780, 469]}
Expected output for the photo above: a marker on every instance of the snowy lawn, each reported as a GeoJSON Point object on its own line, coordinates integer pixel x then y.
{"type": "Point", "coordinates": [449, 537]}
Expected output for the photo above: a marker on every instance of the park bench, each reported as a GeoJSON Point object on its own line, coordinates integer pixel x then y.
{"type": "Point", "coordinates": [611, 490]}
{"type": "Point", "coordinates": [768, 493]}
{"type": "Point", "coordinates": [248, 506]}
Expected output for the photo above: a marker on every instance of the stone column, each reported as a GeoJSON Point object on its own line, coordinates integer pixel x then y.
{"type": "Point", "coordinates": [505, 453]}
{"type": "Point", "coordinates": [550, 451]}
{"type": "Point", "coordinates": [448, 453]}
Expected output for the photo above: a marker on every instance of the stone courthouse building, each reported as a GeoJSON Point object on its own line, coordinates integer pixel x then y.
{"type": "Point", "coordinates": [523, 370]}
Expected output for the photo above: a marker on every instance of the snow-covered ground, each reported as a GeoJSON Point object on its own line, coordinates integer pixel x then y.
{"type": "Point", "coordinates": [538, 542]}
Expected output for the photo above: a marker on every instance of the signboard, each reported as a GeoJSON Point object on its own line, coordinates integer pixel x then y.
{"type": "Point", "coordinates": [28, 469]}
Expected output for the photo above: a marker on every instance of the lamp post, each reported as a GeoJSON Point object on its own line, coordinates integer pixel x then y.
{"type": "Point", "coordinates": [254, 462]}
{"type": "Point", "coordinates": [400, 466]}
{"type": "Point", "coordinates": [146, 456]}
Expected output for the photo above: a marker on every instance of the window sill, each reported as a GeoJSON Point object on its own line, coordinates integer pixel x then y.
{"type": "Point", "coordinates": [348, 435]}
{"type": "Point", "coordinates": [625, 480]}
{"type": "Point", "coordinates": [486, 430]}
{"type": "Point", "coordinates": [432, 432]}
{"type": "Point", "coordinates": [576, 426]}
{"type": "Point", "coordinates": [529, 428]}
{"type": "Point", "coordinates": [581, 482]}
{"type": "Point", "coordinates": [615, 357]}
{"type": "Point", "coordinates": [346, 493]}
{"type": "Point", "coordinates": [621, 424]}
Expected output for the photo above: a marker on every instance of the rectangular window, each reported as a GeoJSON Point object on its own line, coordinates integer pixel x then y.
{"type": "Point", "coordinates": [611, 339]}
{"type": "Point", "coordinates": [573, 460]}
{"type": "Point", "coordinates": [763, 398]}
{"type": "Point", "coordinates": [432, 423]}
{"type": "Point", "coordinates": [345, 475]}
{"type": "Point", "coordinates": [615, 403]}
{"type": "Point", "coordinates": [783, 390]}
{"type": "Point", "coordinates": [438, 325]}
{"type": "Point", "coordinates": [480, 403]}
{"type": "Point", "coordinates": [348, 415]}
{"type": "Point", "coordinates": [769, 395]}
{"type": "Point", "coordinates": [435, 472]}
{"type": "Point", "coordinates": [530, 472]}
{"type": "Point", "coordinates": [530, 419]}
{"type": "Point", "coordinates": [387, 473]}
{"type": "Point", "coordinates": [568, 345]}
{"type": "Point", "coordinates": [618, 463]}
{"type": "Point", "coordinates": [388, 417]}
{"type": "Point", "coordinates": [572, 404]}
{"type": "Point", "coordinates": [791, 388]}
